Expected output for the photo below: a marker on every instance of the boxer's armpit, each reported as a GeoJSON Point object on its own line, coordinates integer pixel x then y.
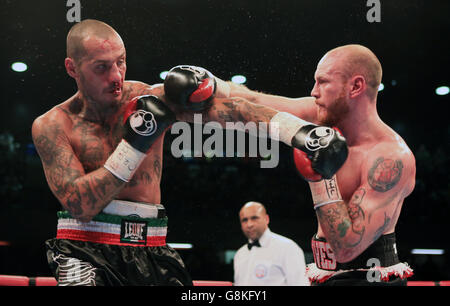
{"type": "Point", "coordinates": [385, 174]}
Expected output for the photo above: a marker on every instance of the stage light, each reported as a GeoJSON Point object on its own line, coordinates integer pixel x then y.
{"type": "Point", "coordinates": [239, 79]}
{"type": "Point", "coordinates": [427, 251]}
{"type": "Point", "coordinates": [19, 67]}
{"type": "Point", "coordinates": [181, 246]}
{"type": "Point", "coordinates": [442, 90]}
{"type": "Point", "coordinates": [163, 75]}
{"type": "Point", "coordinates": [381, 87]}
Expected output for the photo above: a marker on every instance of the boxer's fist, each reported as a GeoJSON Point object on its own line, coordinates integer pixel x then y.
{"type": "Point", "coordinates": [145, 119]}
{"type": "Point", "coordinates": [190, 87]}
{"type": "Point", "coordinates": [303, 165]}
{"type": "Point", "coordinates": [321, 152]}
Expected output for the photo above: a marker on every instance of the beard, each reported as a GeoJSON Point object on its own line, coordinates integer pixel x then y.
{"type": "Point", "coordinates": [336, 112]}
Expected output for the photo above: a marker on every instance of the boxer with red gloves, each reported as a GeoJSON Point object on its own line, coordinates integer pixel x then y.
{"type": "Point", "coordinates": [357, 207]}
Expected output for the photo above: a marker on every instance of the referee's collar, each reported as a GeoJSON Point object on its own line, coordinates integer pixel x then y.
{"type": "Point", "coordinates": [264, 240]}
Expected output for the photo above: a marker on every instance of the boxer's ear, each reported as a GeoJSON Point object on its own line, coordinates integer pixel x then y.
{"type": "Point", "coordinates": [70, 65]}
{"type": "Point", "coordinates": [357, 86]}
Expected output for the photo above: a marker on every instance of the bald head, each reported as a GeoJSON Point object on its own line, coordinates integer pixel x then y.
{"type": "Point", "coordinates": [83, 30]}
{"type": "Point", "coordinates": [354, 60]}
{"type": "Point", "coordinates": [254, 206]}
{"type": "Point", "coordinates": [254, 220]}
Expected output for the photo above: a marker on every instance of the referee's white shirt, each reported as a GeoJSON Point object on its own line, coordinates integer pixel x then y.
{"type": "Point", "coordinates": [278, 262]}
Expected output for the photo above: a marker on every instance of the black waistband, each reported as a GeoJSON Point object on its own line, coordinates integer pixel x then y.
{"type": "Point", "coordinates": [383, 250]}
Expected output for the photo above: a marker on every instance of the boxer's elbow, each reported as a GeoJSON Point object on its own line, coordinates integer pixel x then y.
{"type": "Point", "coordinates": [77, 212]}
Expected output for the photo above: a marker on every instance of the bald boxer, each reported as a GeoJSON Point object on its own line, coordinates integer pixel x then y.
{"type": "Point", "coordinates": [358, 208]}
{"type": "Point", "coordinates": [105, 172]}
{"type": "Point", "coordinates": [101, 152]}
{"type": "Point", "coordinates": [268, 259]}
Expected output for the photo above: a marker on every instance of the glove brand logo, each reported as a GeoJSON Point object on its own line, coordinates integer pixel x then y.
{"type": "Point", "coordinates": [319, 138]}
{"type": "Point", "coordinates": [194, 70]}
{"type": "Point", "coordinates": [143, 123]}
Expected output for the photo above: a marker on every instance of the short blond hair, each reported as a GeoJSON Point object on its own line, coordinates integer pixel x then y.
{"type": "Point", "coordinates": [358, 59]}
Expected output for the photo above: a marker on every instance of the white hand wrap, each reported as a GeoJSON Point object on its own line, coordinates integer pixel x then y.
{"type": "Point", "coordinates": [223, 89]}
{"type": "Point", "coordinates": [283, 127]}
{"type": "Point", "coordinates": [124, 161]}
{"type": "Point", "coordinates": [325, 192]}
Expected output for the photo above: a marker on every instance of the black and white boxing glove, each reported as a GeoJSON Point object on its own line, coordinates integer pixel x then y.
{"type": "Point", "coordinates": [323, 149]}
{"type": "Point", "coordinates": [145, 120]}
{"type": "Point", "coordinates": [193, 88]}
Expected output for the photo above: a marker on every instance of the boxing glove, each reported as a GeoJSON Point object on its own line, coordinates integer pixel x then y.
{"type": "Point", "coordinates": [324, 147]}
{"type": "Point", "coordinates": [191, 87]}
{"type": "Point", "coordinates": [145, 120]}
{"type": "Point", "coordinates": [304, 167]}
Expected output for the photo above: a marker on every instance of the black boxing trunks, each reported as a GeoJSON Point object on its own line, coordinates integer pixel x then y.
{"type": "Point", "coordinates": [378, 265]}
{"type": "Point", "coordinates": [124, 245]}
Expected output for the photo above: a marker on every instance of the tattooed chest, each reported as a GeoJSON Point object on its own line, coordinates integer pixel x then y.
{"type": "Point", "coordinates": [94, 144]}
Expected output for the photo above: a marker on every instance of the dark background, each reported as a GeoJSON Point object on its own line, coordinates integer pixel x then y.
{"type": "Point", "coordinates": [276, 45]}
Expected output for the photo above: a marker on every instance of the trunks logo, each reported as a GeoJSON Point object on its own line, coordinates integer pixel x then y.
{"type": "Point", "coordinates": [260, 271]}
{"type": "Point", "coordinates": [323, 255]}
{"type": "Point", "coordinates": [143, 123]}
{"type": "Point", "coordinates": [74, 272]}
{"type": "Point", "coordinates": [319, 138]}
{"type": "Point", "coordinates": [133, 232]}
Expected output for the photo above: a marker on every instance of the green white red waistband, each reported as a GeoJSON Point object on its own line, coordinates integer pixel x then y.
{"type": "Point", "coordinates": [114, 229]}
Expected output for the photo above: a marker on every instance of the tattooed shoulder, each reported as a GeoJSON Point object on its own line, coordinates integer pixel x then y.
{"type": "Point", "coordinates": [136, 88]}
{"type": "Point", "coordinates": [385, 173]}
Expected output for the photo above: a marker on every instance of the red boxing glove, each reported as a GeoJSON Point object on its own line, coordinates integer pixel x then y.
{"type": "Point", "coordinates": [304, 164]}
{"type": "Point", "coordinates": [304, 167]}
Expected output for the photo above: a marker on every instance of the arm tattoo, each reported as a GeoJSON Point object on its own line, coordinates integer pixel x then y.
{"type": "Point", "coordinates": [238, 109]}
{"type": "Point", "coordinates": [77, 191]}
{"type": "Point", "coordinates": [338, 221]}
{"type": "Point", "coordinates": [385, 174]}
{"type": "Point", "coordinates": [334, 220]}
{"type": "Point", "coordinates": [356, 213]}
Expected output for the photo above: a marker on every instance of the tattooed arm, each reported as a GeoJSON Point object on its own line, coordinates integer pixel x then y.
{"type": "Point", "coordinates": [237, 109]}
{"type": "Point", "coordinates": [304, 107]}
{"type": "Point", "coordinates": [373, 209]}
{"type": "Point", "coordinates": [83, 195]}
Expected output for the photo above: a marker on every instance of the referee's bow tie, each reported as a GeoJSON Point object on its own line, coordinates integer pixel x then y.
{"type": "Point", "coordinates": [252, 244]}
